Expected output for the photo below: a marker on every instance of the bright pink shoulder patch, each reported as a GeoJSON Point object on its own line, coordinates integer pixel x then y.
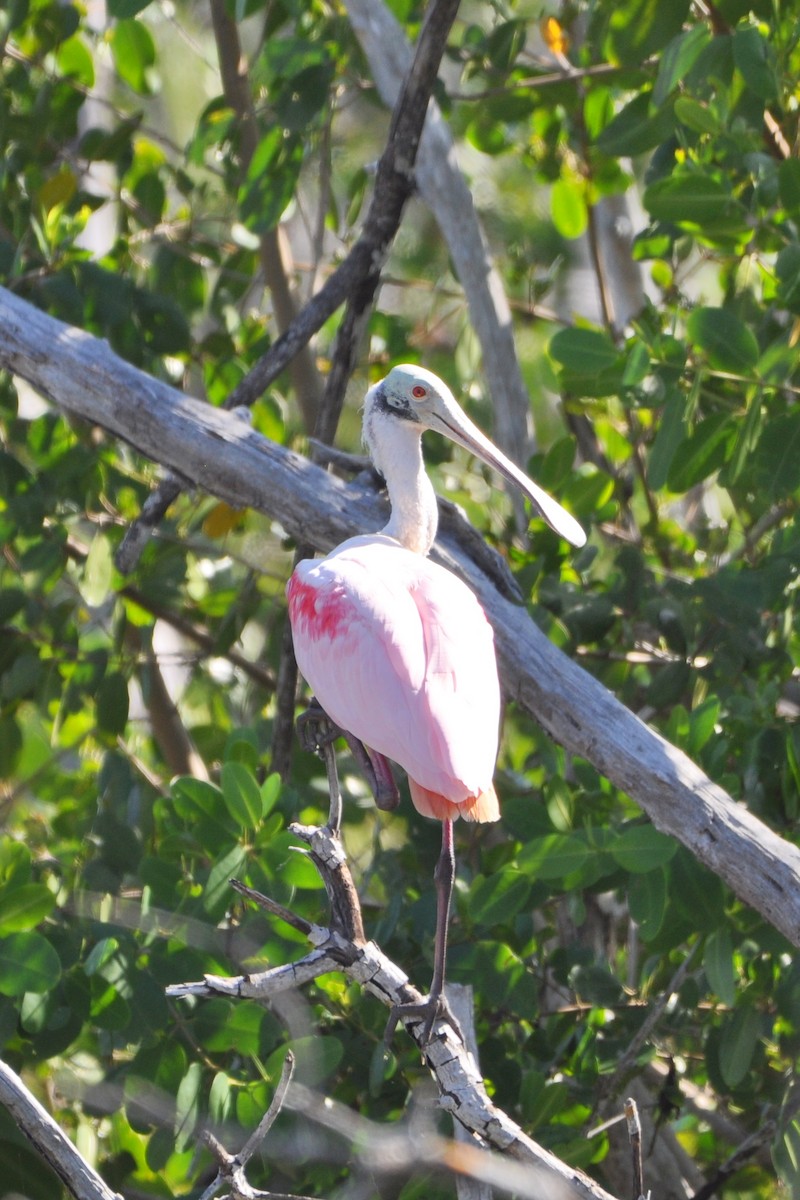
{"type": "Point", "coordinates": [316, 612]}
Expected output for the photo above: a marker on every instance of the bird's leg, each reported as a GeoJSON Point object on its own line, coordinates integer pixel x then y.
{"type": "Point", "coordinates": [316, 731]}
{"type": "Point", "coordinates": [435, 1005]}
{"type": "Point", "coordinates": [377, 772]}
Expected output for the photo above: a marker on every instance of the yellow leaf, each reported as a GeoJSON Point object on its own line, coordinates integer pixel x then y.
{"type": "Point", "coordinates": [58, 189]}
{"type": "Point", "coordinates": [555, 36]}
{"type": "Point", "coordinates": [221, 520]}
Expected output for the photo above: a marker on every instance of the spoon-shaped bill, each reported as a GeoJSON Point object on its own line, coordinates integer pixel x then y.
{"type": "Point", "coordinates": [451, 421]}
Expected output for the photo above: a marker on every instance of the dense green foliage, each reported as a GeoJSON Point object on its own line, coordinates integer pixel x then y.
{"type": "Point", "coordinates": [573, 915]}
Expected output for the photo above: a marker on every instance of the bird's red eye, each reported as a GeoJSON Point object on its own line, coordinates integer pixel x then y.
{"type": "Point", "coordinates": [419, 391]}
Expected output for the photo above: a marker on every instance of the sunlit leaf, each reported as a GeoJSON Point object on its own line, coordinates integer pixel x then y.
{"type": "Point", "coordinates": [134, 54]}
{"type": "Point", "coordinates": [28, 963]}
{"type": "Point", "coordinates": [497, 898]}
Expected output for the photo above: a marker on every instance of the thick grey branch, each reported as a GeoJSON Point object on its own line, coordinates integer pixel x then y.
{"type": "Point", "coordinates": [221, 454]}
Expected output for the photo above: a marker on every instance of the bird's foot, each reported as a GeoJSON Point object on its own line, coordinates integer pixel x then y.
{"type": "Point", "coordinates": [430, 1010]}
{"type": "Point", "coordinates": [315, 729]}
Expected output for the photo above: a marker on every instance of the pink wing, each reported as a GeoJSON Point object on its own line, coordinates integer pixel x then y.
{"type": "Point", "coordinates": [399, 652]}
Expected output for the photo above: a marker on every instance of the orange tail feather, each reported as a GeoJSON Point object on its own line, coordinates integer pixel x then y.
{"type": "Point", "coordinates": [483, 807]}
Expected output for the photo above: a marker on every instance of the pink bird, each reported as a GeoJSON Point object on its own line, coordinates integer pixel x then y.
{"type": "Point", "coordinates": [397, 650]}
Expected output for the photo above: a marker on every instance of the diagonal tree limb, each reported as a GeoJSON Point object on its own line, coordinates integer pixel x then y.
{"type": "Point", "coordinates": [220, 453]}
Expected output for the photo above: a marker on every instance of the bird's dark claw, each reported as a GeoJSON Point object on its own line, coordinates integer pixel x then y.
{"type": "Point", "coordinates": [315, 729]}
{"type": "Point", "coordinates": [428, 1011]}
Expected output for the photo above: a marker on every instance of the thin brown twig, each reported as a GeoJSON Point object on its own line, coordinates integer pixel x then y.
{"type": "Point", "coordinates": [354, 281]}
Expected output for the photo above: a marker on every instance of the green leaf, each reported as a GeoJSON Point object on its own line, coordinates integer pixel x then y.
{"type": "Point", "coordinates": [786, 1156]}
{"type": "Point", "coordinates": [702, 453]}
{"type": "Point", "coordinates": [636, 129]}
{"type": "Point", "coordinates": [193, 796]}
{"type": "Point", "coordinates": [187, 1105]}
{"type": "Point", "coordinates": [26, 1173]}
{"type": "Point", "coordinates": [692, 199]}
{"type": "Point", "coordinates": [584, 351]}
{"type": "Point", "coordinates": [647, 899]}
{"type": "Point", "coordinates": [271, 179]}
{"type": "Point", "coordinates": [718, 965]}
{"type": "Point", "coordinates": [24, 906]}
{"type": "Point", "coordinates": [134, 54]}
{"type": "Point", "coordinates": [639, 28]}
{"type": "Point", "coordinates": [10, 746]}
{"type": "Point", "coordinates": [696, 892]}
{"type": "Point", "coordinates": [677, 60]}
{"type": "Point", "coordinates": [270, 793]}
{"type": "Point", "coordinates": [121, 10]}
{"type": "Point", "coordinates": [746, 439]}
{"type": "Point", "coordinates": [553, 856]}
{"type": "Point", "coordinates": [499, 897]}
{"type": "Point", "coordinates": [726, 341]}
{"type": "Point", "coordinates": [787, 268]}
{"type": "Point", "coordinates": [568, 207]}
{"type": "Point", "coordinates": [100, 955]}
{"type": "Point", "coordinates": [75, 61]}
{"type": "Point", "coordinates": [737, 1044]}
{"type": "Point", "coordinates": [112, 704]}
{"type": "Point", "coordinates": [696, 116]}
{"type": "Point", "coordinates": [789, 184]}
{"type": "Point", "coordinates": [542, 1099]}
{"type": "Point", "coordinates": [702, 724]}
{"type": "Point", "coordinates": [220, 1099]}
{"type": "Point", "coordinates": [671, 432]}
{"type": "Point", "coordinates": [28, 963]}
{"type": "Point", "coordinates": [776, 459]}
{"type": "Point", "coordinates": [755, 58]}
{"type": "Point", "coordinates": [217, 894]}
{"type": "Point", "coordinates": [642, 848]}
{"type": "Point", "coordinates": [242, 794]}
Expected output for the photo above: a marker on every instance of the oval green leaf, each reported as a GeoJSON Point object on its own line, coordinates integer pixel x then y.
{"type": "Point", "coordinates": [641, 848]}
{"type": "Point", "coordinates": [28, 963]}
{"type": "Point", "coordinates": [583, 351]}
{"type": "Point", "coordinates": [718, 965]}
{"type": "Point", "coordinates": [647, 899]}
{"type": "Point", "coordinates": [702, 453]}
{"type": "Point", "coordinates": [725, 340]}
{"type": "Point", "coordinates": [737, 1044]}
{"type": "Point", "coordinates": [23, 907]}
{"type": "Point", "coordinates": [496, 898]}
{"type": "Point", "coordinates": [696, 200]}
{"type": "Point", "coordinates": [242, 794]}
{"type": "Point", "coordinates": [568, 207]}
{"type": "Point", "coordinates": [553, 856]}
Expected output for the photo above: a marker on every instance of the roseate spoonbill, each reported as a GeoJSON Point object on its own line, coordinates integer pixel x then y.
{"type": "Point", "coordinates": [397, 650]}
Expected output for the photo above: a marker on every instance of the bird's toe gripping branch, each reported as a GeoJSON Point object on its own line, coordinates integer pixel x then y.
{"type": "Point", "coordinates": [316, 730]}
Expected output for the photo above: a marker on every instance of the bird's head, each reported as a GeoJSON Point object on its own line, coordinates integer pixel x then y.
{"type": "Point", "coordinates": [411, 394]}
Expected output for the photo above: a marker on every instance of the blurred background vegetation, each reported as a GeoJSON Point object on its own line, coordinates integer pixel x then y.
{"type": "Point", "coordinates": [634, 167]}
